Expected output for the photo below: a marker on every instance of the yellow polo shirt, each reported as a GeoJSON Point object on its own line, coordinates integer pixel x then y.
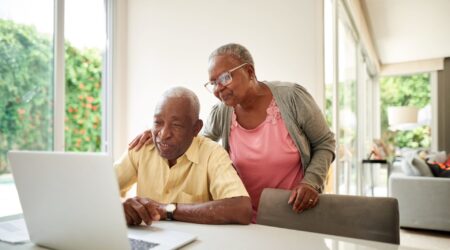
{"type": "Point", "coordinates": [203, 173]}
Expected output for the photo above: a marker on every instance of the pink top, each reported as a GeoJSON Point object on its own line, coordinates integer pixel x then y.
{"type": "Point", "coordinates": [266, 156]}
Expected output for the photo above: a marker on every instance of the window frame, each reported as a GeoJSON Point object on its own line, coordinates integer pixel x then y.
{"type": "Point", "coordinates": [59, 78]}
{"type": "Point", "coordinates": [59, 102]}
{"type": "Point", "coordinates": [366, 84]}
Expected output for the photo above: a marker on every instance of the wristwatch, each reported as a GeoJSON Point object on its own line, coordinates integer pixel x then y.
{"type": "Point", "coordinates": [170, 209]}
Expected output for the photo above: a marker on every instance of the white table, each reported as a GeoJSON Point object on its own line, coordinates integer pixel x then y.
{"type": "Point", "coordinates": [250, 237]}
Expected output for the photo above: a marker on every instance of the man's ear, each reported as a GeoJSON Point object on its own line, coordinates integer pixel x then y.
{"type": "Point", "coordinates": [198, 126]}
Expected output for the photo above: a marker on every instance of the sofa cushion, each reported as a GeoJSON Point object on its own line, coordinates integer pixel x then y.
{"type": "Point", "coordinates": [406, 164]}
{"type": "Point", "coordinates": [421, 166]}
{"type": "Point", "coordinates": [440, 156]}
{"type": "Point", "coordinates": [440, 169]}
{"type": "Point", "coordinates": [415, 166]}
{"type": "Point", "coordinates": [407, 169]}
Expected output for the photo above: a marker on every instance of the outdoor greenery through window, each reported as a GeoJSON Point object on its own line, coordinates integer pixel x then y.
{"type": "Point", "coordinates": [26, 90]}
{"type": "Point", "coordinates": [85, 29]}
{"type": "Point", "coordinates": [27, 81]}
{"type": "Point", "coordinates": [409, 90]}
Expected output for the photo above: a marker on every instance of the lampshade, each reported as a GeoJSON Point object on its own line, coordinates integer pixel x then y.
{"type": "Point", "coordinates": [425, 115]}
{"type": "Point", "coordinates": [402, 117]}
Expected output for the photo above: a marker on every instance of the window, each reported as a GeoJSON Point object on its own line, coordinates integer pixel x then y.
{"type": "Point", "coordinates": [35, 114]}
{"type": "Point", "coordinates": [329, 69]}
{"type": "Point", "coordinates": [353, 97]}
{"type": "Point", "coordinates": [349, 93]}
{"type": "Point", "coordinates": [407, 90]}
{"type": "Point", "coordinates": [85, 32]}
{"type": "Point", "coordinates": [329, 61]}
{"type": "Point", "coordinates": [26, 86]}
{"type": "Point", "coordinates": [347, 99]}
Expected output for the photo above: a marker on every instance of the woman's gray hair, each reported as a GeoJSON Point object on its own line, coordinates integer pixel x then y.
{"type": "Point", "coordinates": [182, 92]}
{"type": "Point", "coordinates": [236, 50]}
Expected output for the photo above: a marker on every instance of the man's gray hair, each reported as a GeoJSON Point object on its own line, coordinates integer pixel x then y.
{"type": "Point", "coordinates": [182, 92]}
{"type": "Point", "coordinates": [236, 50]}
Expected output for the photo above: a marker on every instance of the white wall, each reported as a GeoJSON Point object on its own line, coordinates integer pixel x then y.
{"type": "Point", "coordinates": [169, 41]}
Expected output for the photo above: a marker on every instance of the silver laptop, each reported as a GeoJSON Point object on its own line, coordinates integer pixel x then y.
{"type": "Point", "coordinates": [71, 201]}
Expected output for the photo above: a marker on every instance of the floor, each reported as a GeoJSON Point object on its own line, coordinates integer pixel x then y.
{"type": "Point", "coordinates": [425, 239]}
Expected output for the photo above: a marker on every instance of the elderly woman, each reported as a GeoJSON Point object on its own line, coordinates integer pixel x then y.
{"type": "Point", "coordinates": [274, 132]}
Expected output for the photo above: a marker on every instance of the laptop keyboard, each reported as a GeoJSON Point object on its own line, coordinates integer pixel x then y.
{"type": "Point", "coordinates": [141, 244]}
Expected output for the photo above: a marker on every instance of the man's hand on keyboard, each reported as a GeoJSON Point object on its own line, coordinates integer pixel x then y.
{"type": "Point", "coordinates": [138, 210]}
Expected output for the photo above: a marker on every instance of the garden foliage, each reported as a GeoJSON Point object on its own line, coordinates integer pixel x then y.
{"type": "Point", "coordinates": [26, 93]}
{"type": "Point", "coordinates": [409, 90]}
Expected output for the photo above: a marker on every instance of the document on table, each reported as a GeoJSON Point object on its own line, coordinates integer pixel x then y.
{"type": "Point", "coordinates": [14, 231]}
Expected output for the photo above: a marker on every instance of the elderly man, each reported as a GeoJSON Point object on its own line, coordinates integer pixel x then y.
{"type": "Point", "coordinates": [182, 176]}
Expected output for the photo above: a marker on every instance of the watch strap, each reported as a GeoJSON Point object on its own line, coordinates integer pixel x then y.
{"type": "Point", "coordinates": [169, 215]}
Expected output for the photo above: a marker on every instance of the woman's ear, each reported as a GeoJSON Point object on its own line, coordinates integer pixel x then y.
{"type": "Point", "coordinates": [251, 72]}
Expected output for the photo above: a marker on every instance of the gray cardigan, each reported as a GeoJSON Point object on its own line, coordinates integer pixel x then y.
{"type": "Point", "coordinates": [305, 124]}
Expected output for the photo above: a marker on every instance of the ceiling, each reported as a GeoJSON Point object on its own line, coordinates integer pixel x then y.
{"type": "Point", "coordinates": [408, 30]}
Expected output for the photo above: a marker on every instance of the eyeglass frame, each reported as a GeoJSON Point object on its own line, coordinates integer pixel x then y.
{"type": "Point", "coordinates": [215, 83]}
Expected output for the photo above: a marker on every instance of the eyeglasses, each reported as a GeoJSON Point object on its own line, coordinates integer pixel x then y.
{"type": "Point", "coordinates": [224, 79]}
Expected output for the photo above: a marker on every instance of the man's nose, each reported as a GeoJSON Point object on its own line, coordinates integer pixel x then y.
{"type": "Point", "coordinates": [165, 132]}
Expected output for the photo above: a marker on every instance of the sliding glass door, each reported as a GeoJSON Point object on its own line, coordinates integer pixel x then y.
{"type": "Point", "coordinates": [347, 100]}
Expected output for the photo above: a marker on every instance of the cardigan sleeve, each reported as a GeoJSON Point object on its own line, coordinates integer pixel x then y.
{"type": "Point", "coordinates": [321, 140]}
{"type": "Point", "coordinates": [308, 128]}
{"type": "Point", "coordinates": [217, 127]}
{"type": "Point", "coordinates": [212, 127]}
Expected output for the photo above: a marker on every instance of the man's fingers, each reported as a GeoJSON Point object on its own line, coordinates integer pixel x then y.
{"type": "Point", "coordinates": [139, 209]}
{"type": "Point", "coordinates": [133, 216]}
{"type": "Point", "coordinates": [151, 209]}
{"type": "Point", "coordinates": [136, 211]}
{"type": "Point", "coordinates": [142, 212]}
{"type": "Point", "coordinates": [155, 214]}
{"type": "Point", "coordinates": [128, 219]}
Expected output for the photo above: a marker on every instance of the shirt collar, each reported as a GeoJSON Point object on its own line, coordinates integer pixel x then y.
{"type": "Point", "coordinates": [191, 153]}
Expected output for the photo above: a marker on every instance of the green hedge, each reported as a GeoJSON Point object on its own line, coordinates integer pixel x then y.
{"type": "Point", "coordinates": [410, 90]}
{"type": "Point", "coordinates": [26, 93]}
{"type": "Point", "coordinates": [83, 100]}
